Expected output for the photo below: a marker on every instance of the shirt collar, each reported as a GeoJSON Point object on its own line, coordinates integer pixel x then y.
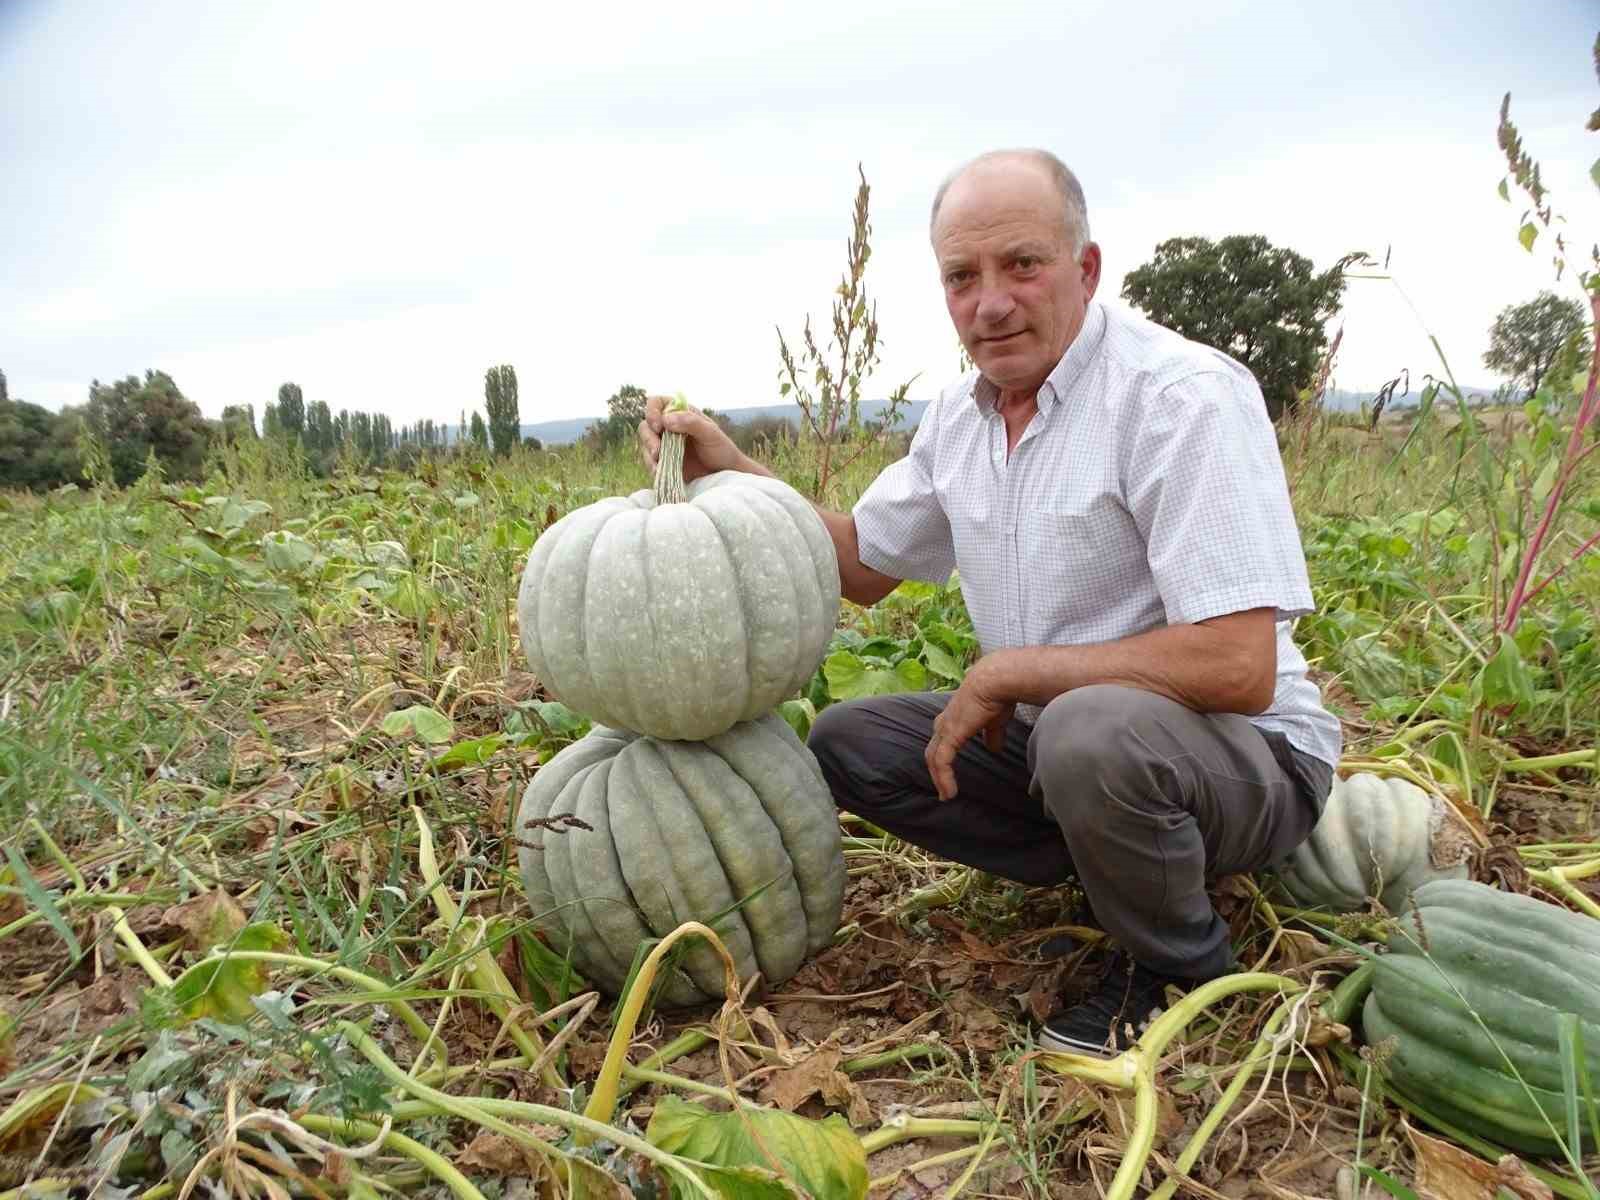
{"type": "Point", "coordinates": [1065, 372]}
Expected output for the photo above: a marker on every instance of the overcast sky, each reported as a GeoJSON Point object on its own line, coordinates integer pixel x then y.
{"type": "Point", "coordinates": [380, 201]}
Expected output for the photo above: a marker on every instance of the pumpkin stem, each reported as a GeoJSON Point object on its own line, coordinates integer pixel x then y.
{"type": "Point", "coordinates": [669, 466]}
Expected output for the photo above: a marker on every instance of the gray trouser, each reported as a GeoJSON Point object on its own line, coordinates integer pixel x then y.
{"type": "Point", "coordinates": [1140, 798]}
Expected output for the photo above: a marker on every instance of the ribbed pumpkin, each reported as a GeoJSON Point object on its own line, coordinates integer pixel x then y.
{"type": "Point", "coordinates": [681, 831]}
{"type": "Point", "coordinates": [1518, 963]}
{"type": "Point", "coordinates": [1378, 837]}
{"type": "Point", "coordinates": [678, 620]}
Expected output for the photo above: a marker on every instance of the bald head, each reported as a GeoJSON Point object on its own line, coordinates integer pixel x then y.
{"type": "Point", "coordinates": [1074, 212]}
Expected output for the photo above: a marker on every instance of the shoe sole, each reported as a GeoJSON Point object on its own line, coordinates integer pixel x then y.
{"type": "Point", "coordinates": [1054, 1043]}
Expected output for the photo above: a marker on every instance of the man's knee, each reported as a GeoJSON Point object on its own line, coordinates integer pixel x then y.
{"type": "Point", "coordinates": [1090, 750]}
{"type": "Point", "coordinates": [856, 746]}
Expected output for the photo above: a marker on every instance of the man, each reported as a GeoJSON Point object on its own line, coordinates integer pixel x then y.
{"type": "Point", "coordinates": [1112, 494]}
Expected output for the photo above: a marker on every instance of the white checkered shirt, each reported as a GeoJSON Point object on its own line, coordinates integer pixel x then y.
{"type": "Point", "coordinates": [1147, 491]}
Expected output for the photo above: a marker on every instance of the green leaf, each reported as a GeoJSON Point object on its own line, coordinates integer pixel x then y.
{"type": "Point", "coordinates": [1594, 172]}
{"type": "Point", "coordinates": [287, 551]}
{"type": "Point", "coordinates": [221, 987]}
{"type": "Point", "coordinates": [850, 678]}
{"type": "Point", "coordinates": [1527, 235]}
{"type": "Point", "coordinates": [158, 1063]}
{"type": "Point", "coordinates": [1396, 1189]}
{"type": "Point", "coordinates": [941, 662]}
{"type": "Point", "coordinates": [824, 1157]}
{"type": "Point", "coordinates": [1505, 192]}
{"type": "Point", "coordinates": [800, 714]}
{"type": "Point", "coordinates": [43, 901]}
{"type": "Point", "coordinates": [1504, 681]}
{"type": "Point", "coordinates": [471, 753]}
{"type": "Point", "coordinates": [421, 722]}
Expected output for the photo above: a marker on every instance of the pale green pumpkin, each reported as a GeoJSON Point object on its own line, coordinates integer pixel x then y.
{"type": "Point", "coordinates": [1378, 837]}
{"type": "Point", "coordinates": [678, 620]}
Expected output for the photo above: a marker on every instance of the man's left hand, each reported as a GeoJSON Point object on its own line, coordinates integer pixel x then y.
{"type": "Point", "coordinates": [980, 705]}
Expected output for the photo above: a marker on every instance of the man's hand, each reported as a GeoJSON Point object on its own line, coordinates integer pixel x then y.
{"type": "Point", "coordinates": [706, 449]}
{"type": "Point", "coordinates": [980, 705]}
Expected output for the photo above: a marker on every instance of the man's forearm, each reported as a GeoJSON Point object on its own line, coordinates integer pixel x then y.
{"type": "Point", "coordinates": [1225, 665]}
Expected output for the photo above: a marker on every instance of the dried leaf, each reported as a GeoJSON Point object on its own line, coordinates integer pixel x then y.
{"type": "Point", "coordinates": [1447, 1172]}
{"type": "Point", "coordinates": [208, 920]}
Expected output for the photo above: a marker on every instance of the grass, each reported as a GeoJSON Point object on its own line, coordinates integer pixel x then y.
{"type": "Point", "coordinates": [199, 689]}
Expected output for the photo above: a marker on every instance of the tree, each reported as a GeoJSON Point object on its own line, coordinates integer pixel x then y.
{"type": "Point", "coordinates": [291, 410]}
{"type": "Point", "coordinates": [480, 431]}
{"type": "Point", "coordinates": [1526, 339]}
{"type": "Point", "coordinates": [271, 427]}
{"type": "Point", "coordinates": [37, 446]}
{"type": "Point", "coordinates": [500, 402]}
{"type": "Point", "coordinates": [319, 429]}
{"type": "Point", "coordinates": [625, 409]}
{"type": "Point", "coordinates": [133, 419]}
{"type": "Point", "coordinates": [1261, 304]}
{"type": "Point", "coordinates": [238, 421]}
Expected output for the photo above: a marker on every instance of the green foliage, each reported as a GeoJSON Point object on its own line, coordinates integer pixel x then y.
{"type": "Point", "coordinates": [1261, 304]}
{"type": "Point", "coordinates": [291, 410]}
{"type": "Point", "coordinates": [624, 409]}
{"type": "Point", "coordinates": [37, 447]}
{"type": "Point", "coordinates": [500, 402]}
{"type": "Point", "coordinates": [1527, 340]}
{"type": "Point", "coordinates": [479, 434]}
{"type": "Point", "coordinates": [136, 419]}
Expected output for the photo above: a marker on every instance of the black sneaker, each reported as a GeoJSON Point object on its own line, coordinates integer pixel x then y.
{"type": "Point", "coordinates": [1111, 1017]}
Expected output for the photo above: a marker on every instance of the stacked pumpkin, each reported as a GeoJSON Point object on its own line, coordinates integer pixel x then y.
{"type": "Point", "coordinates": [677, 619]}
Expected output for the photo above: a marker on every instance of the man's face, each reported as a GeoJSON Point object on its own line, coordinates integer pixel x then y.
{"type": "Point", "coordinates": [1014, 291]}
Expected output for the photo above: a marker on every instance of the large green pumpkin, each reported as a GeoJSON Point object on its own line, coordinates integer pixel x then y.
{"type": "Point", "coordinates": [679, 620]}
{"type": "Point", "coordinates": [1378, 837]}
{"type": "Point", "coordinates": [680, 831]}
{"type": "Point", "coordinates": [1513, 961]}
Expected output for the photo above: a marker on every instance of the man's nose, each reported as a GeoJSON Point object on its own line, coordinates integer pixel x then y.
{"type": "Point", "coordinates": [994, 303]}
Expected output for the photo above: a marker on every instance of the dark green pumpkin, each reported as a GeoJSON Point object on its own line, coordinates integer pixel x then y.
{"type": "Point", "coordinates": [1518, 964]}
{"type": "Point", "coordinates": [680, 831]}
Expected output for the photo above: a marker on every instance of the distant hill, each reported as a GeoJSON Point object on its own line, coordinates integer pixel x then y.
{"type": "Point", "coordinates": [563, 433]}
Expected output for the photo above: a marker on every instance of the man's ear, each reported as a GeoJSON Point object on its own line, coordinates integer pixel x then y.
{"type": "Point", "coordinates": [1089, 264]}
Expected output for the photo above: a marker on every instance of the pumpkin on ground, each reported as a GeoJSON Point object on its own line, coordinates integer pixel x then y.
{"type": "Point", "coordinates": [679, 620]}
{"type": "Point", "coordinates": [1468, 952]}
{"type": "Point", "coordinates": [666, 832]}
{"type": "Point", "coordinates": [1377, 837]}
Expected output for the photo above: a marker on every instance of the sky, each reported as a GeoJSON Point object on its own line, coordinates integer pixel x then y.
{"type": "Point", "coordinates": [380, 201]}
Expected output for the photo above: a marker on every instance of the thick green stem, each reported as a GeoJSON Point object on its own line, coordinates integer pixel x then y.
{"type": "Point", "coordinates": [1134, 1069]}
{"type": "Point", "coordinates": [603, 1102]}
{"type": "Point", "coordinates": [383, 993]}
{"type": "Point", "coordinates": [130, 939]}
{"type": "Point", "coordinates": [903, 1128]}
{"type": "Point", "coordinates": [1265, 1047]}
{"type": "Point", "coordinates": [433, 1162]}
{"type": "Point", "coordinates": [477, 1112]}
{"type": "Point", "coordinates": [1553, 762]}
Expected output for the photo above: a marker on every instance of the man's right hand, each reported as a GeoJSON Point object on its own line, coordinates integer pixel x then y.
{"type": "Point", "coordinates": [706, 448]}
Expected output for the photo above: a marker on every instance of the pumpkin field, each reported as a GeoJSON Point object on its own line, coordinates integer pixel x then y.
{"type": "Point", "coordinates": [263, 931]}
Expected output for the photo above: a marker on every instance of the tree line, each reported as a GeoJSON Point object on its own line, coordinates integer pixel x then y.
{"type": "Point", "coordinates": [1264, 305]}
{"type": "Point", "coordinates": [132, 422]}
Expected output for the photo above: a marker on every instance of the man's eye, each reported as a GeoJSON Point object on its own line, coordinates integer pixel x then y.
{"type": "Point", "coordinates": [1026, 262]}
{"type": "Point", "coordinates": [956, 278]}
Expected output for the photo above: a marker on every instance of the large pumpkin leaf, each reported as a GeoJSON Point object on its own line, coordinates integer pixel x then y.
{"type": "Point", "coordinates": [824, 1157]}
{"type": "Point", "coordinates": [222, 987]}
{"type": "Point", "coordinates": [850, 678]}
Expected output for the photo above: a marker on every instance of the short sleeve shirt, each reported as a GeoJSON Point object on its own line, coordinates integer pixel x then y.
{"type": "Point", "coordinates": [1146, 491]}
